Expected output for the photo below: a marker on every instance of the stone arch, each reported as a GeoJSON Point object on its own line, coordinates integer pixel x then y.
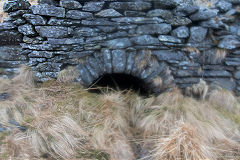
{"type": "Point", "coordinates": [140, 64]}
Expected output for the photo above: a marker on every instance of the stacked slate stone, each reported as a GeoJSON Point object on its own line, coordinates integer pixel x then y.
{"type": "Point", "coordinates": [116, 35]}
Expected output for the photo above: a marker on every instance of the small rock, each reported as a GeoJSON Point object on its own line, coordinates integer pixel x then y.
{"type": "Point", "coordinates": [167, 3]}
{"type": "Point", "coordinates": [119, 59]}
{"type": "Point", "coordinates": [165, 14]}
{"type": "Point", "coordinates": [134, 13]}
{"type": "Point", "coordinates": [108, 13]}
{"type": "Point", "coordinates": [224, 6]}
{"type": "Point", "coordinates": [35, 19]}
{"type": "Point", "coordinates": [197, 34]}
{"type": "Point", "coordinates": [7, 26]}
{"type": "Point", "coordinates": [234, 1]}
{"type": "Point", "coordinates": [181, 32]}
{"type": "Point", "coordinates": [48, 10]}
{"type": "Point", "coordinates": [70, 4]}
{"type": "Point", "coordinates": [229, 42]}
{"type": "Point", "coordinates": [145, 40]}
{"type": "Point", "coordinates": [179, 21]}
{"type": "Point", "coordinates": [135, 6]}
{"type": "Point", "coordinates": [237, 75]}
{"type": "Point", "coordinates": [119, 43]}
{"type": "Point", "coordinates": [187, 9]}
{"type": "Point", "coordinates": [4, 96]}
{"type": "Point", "coordinates": [14, 5]}
{"type": "Point", "coordinates": [93, 6]}
{"type": "Point", "coordinates": [165, 38]}
{"type": "Point", "coordinates": [41, 54]}
{"type": "Point", "coordinates": [19, 21]}
{"type": "Point", "coordinates": [203, 14]}
{"type": "Point", "coordinates": [27, 30]}
{"type": "Point", "coordinates": [50, 2]}
{"type": "Point", "coordinates": [213, 23]}
{"type": "Point", "coordinates": [53, 31]}
{"type": "Point", "coordinates": [63, 22]}
{"type": "Point", "coordinates": [162, 28]}
{"type": "Point", "coordinates": [75, 14]}
{"type": "Point", "coordinates": [10, 37]}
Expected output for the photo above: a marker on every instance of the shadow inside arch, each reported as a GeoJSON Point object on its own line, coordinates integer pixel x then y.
{"type": "Point", "coordinates": [120, 82]}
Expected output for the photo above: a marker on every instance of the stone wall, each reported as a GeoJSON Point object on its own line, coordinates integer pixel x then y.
{"type": "Point", "coordinates": [162, 42]}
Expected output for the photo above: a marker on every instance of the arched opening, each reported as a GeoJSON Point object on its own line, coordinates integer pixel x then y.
{"type": "Point", "coordinates": [119, 81]}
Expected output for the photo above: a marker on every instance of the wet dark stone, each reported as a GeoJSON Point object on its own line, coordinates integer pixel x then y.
{"type": "Point", "coordinates": [50, 2]}
{"type": "Point", "coordinates": [197, 34]}
{"type": "Point", "coordinates": [165, 14]}
{"type": "Point", "coordinates": [49, 67]}
{"type": "Point", "coordinates": [4, 96]}
{"type": "Point", "coordinates": [7, 26]}
{"type": "Point", "coordinates": [63, 22]}
{"type": "Point", "coordinates": [229, 42]}
{"type": "Point", "coordinates": [170, 39]}
{"type": "Point", "coordinates": [27, 30]}
{"type": "Point", "coordinates": [10, 37]}
{"type": "Point", "coordinates": [86, 31]}
{"type": "Point", "coordinates": [41, 54]}
{"type": "Point", "coordinates": [70, 4]}
{"type": "Point", "coordinates": [237, 74]}
{"type": "Point", "coordinates": [138, 20]}
{"type": "Point", "coordinates": [162, 28]}
{"type": "Point", "coordinates": [75, 14]}
{"type": "Point", "coordinates": [48, 10]}
{"type": "Point", "coordinates": [93, 6]}
{"type": "Point", "coordinates": [203, 14]}
{"type": "Point", "coordinates": [181, 32]}
{"type": "Point", "coordinates": [66, 41]}
{"type": "Point", "coordinates": [35, 19]}
{"type": "Point", "coordinates": [179, 21]}
{"type": "Point", "coordinates": [224, 6]}
{"type": "Point", "coordinates": [18, 13]}
{"type": "Point", "coordinates": [134, 13]}
{"type": "Point", "coordinates": [14, 5]}
{"type": "Point", "coordinates": [187, 9]}
{"type": "Point", "coordinates": [135, 6]}
{"type": "Point", "coordinates": [53, 31]}
{"type": "Point", "coordinates": [19, 21]}
{"type": "Point", "coordinates": [118, 43]}
{"type": "Point", "coordinates": [145, 40]}
{"type": "Point", "coordinates": [108, 13]}
{"type": "Point", "coordinates": [213, 23]}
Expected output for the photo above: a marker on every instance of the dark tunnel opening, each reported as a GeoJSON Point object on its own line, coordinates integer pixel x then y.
{"type": "Point", "coordinates": [119, 82]}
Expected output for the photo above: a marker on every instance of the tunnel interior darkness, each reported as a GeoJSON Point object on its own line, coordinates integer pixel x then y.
{"type": "Point", "coordinates": [119, 82]}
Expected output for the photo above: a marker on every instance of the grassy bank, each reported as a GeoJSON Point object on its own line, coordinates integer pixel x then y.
{"type": "Point", "coordinates": [66, 121]}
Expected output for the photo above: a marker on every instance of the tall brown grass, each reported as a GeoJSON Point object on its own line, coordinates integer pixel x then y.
{"type": "Point", "coordinates": [65, 121]}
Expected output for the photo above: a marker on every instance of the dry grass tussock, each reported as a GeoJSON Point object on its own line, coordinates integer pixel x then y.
{"type": "Point", "coordinates": [216, 126]}
{"type": "Point", "coordinates": [65, 121]}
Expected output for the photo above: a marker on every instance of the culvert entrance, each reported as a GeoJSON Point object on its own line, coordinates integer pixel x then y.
{"type": "Point", "coordinates": [119, 82]}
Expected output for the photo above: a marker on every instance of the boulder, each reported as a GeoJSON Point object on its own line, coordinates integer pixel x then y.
{"type": "Point", "coordinates": [224, 6]}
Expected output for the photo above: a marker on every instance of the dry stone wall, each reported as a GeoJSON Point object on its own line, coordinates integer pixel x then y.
{"type": "Point", "coordinates": [162, 42]}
